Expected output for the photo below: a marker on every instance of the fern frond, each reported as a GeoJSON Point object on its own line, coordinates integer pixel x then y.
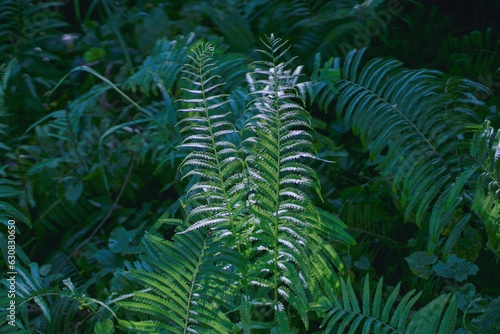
{"type": "Point", "coordinates": [190, 289]}
{"type": "Point", "coordinates": [182, 289]}
{"type": "Point", "coordinates": [485, 149]}
{"type": "Point", "coordinates": [216, 200]}
{"type": "Point", "coordinates": [273, 143]}
{"type": "Point", "coordinates": [5, 70]}
{"type": "Point", "coordinates": [57, 306]}
{"type": "Point", "coordinates": [276, 141]}
{"type": "Point", "coordinates": [424, 129]}
{"type": "Point", "coordinates": [235, 28]}
{"type": "Point", "coordinates": [477, 55]}
{"type": "Point", "coordinates": [162, 69]}
{"type": "Point", "coordinates": [371, 314]}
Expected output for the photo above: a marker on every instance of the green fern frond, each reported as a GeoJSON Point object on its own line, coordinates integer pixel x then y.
{"type": "Point", "coordinates": [321, 88]}
{"type": "Point", "coordinates": [371, 314]}
{"type": "Point", "coordinates": [162, 69]}
{"type": "Point", "coordinates": [218, 199]}
{"type": "Point", "coordinates": [57, 307]}
{"type": "Point", "coordinates": [30, 286]}
{"type": "Point", "coordinates": [11, 189]}
{"type": "Point", "coordinates": [485, 150]}
{"type": "Point", "coordinates": [423, 128]}
{"type": "Point", "coordinates": [251, 228]}
{"type": "Point", "coordinates": [274, 144]}
{"type": "Point", "coordinates": [277, 141]}
{"type": "Point", "coordinates": [182, 294]}
{"type": "Point", "coordinates": [235, 28]}
{"type": "Point", "coordinates": [476, 55]}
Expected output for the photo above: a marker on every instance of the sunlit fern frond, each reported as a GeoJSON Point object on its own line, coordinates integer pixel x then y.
{"type": "Point", "coordinates": [218, 199]}
{"type": "Point", "coordinates": [277, 142]}
{"type": "Point", "coordinates": [485, 150]}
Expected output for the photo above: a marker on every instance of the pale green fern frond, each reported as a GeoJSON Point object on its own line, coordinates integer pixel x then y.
{"type": "Point", "coordinates": [277, 141]}
{"type": "Point", "coordinates": [217, 200]}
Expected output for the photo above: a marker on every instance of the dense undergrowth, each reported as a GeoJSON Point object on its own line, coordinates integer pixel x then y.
{"type": "Point", "coordinates": [250, 166]}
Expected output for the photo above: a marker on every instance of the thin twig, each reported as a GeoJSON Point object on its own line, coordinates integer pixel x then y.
{"type": "Point", "coordinates": [113, 207]}
{"type": "Point", "coordinates": [56, 203]}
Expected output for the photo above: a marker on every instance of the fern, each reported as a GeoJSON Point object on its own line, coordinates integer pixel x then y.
{"type": "Point", "coordinates": [212, 158]}
{"type": "Point", "coordinates": [274, 147]}
{"type": "Point", "coordinates": [56, 306]}
{"type": "Point", "coordinates": [485, 150]}
{"type": "Point", "coordinates": [8, 187]}
{"type": "Point", "coordinates": [177, 298]}
{"type": "Point", "coordinates": [475, 55]}
{"type": "Point", "coordinates": [321, 89]}
{"type": "Point", "coordinates": [235, 28]}
{"type": "Point", "coordinates": [5, 71]}
{"type": "Point", "coordinates": [214, 205]}
{"type": "Point", "coordinates": [423, 126]}
{"type": "Point", "coordinates": [250, 207]}
{"type": "Point", "coordinates": [162, 69]}
{"type": "Point", "coordinates": [26, 25]}
{"type": "Point", "coordinates": [254, 248]}
{"type": "Point", "coordinates": [276, 141]}
{"type": "Point", "coordinates": [218, 199]}
{"type": "Point", "coordinates": [373, 315]}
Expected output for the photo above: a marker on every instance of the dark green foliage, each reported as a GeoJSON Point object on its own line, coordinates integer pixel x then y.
{"type": "Point", "coordinates": [274, 241]}
{"type": "Point", "coordinates": [248, 206]}
{"type": "Point", "coordinates": [266, 217]}
{"type": "Point", "coordinates": [475, 55]}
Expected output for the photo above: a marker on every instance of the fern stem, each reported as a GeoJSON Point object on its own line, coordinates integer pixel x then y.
{"type": "Point", "coordinates": [276, 220]}
{"type": "Point", "coordinates": [191, 290]}
{"type": "Point", "coordinates": [385, 324]}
